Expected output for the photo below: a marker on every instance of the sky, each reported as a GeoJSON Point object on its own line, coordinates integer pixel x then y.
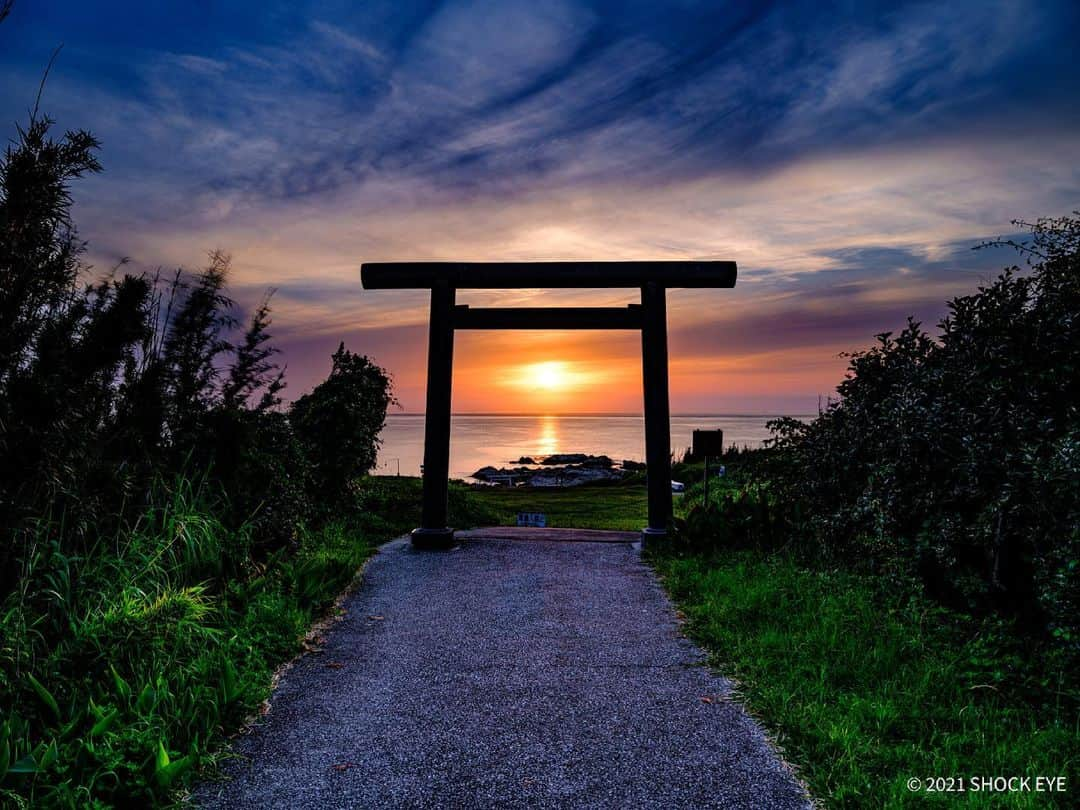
{"type": "Point", "coordinates": [847, 155]}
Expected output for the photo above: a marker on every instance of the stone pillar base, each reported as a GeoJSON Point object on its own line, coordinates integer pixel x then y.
{"type": "Point", "coordinates": [433, 539]}
{"type": "Point", "coordinates": [652, 538]}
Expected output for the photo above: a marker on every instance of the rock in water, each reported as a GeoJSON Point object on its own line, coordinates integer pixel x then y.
{"type": "Point", "coordinates": [577, 458]}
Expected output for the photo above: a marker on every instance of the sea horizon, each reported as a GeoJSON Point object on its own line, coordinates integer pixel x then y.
{"type": "Point", "coordinates": [618, 414]}
{"type": "Point", "coordinates": [480, 440]}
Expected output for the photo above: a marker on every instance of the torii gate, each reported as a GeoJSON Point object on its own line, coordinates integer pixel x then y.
{"type": "Point", "coordinates": [650, 316]}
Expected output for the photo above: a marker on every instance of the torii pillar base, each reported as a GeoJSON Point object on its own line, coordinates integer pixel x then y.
{"type": "Point", "coordinates": [433, 539]}
{"type": "Point", "coordinates": [652, 538]}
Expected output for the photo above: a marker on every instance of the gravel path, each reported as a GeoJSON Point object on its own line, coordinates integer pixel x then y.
{"type": "Point", "coordinates": [505, 673]}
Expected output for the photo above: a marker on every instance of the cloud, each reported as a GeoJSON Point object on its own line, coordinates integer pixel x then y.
{"type": "Point", "coordinates": [846, 155]}
{"type": "Point", "coordinates": [484, 97]}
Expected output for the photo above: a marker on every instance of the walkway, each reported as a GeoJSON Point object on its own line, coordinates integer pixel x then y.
{"type": "Point", "coordinates": [509, 673]}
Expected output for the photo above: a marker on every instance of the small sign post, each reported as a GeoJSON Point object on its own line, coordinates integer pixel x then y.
{"type": "Point", "coordinates": [536, 520]}
{"type": "Point", "coordinates": [708, 443]}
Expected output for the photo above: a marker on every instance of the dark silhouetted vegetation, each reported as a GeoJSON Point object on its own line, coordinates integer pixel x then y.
{"type": "Point", "coordinates": [170, 530]}
{"type": "Point", "coordinates": [954, 459]}
{"type": "Point", "coordinates": [957, 459]}
{"type": "Point", "coordinates": [339, 421]}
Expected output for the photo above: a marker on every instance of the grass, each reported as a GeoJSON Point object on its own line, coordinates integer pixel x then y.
{"type": "Point", "coordinates": [865, 687]}
{"type": "Point", "coordinates": [619, 505]}
{"type": "Point", "coordinates": [123, 671]}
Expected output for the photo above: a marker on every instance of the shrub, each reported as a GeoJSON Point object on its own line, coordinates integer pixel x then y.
{"type": "Point", "coordinates": [956, 457]}
{"type": "Point", "coordinates": [107, 388]}
{"type": "Point", "coordinates": [340, 420]}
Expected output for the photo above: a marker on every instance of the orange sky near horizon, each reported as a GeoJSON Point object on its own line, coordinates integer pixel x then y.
{"type": "Point", "coordinates": [600, 372]}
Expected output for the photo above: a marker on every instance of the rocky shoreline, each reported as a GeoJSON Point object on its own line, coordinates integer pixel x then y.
{"type": "Point", "coordinates": [558, 470]}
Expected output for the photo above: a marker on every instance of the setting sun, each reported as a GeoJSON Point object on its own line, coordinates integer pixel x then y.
{"type": "Point", "coordinates": [521, 374]}
{"type": "Point", "coordinates": [549, 376]}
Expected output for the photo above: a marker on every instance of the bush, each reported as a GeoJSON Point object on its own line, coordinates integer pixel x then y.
{"type": "Point", "coordinates": [956, 458]}
{"type": "Point", "coordinates": [106, 388]}
{"type": "Point", "coordinates": [340, 420]}
{"type": "Point", "coordinates": [745, 515]}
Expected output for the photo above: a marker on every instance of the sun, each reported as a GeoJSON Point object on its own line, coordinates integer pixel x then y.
{"type": "Point", "coordinates": [549, 376]}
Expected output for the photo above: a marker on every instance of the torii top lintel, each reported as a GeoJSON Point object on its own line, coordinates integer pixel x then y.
{"type": "Point", "coordinates": [538, 275]}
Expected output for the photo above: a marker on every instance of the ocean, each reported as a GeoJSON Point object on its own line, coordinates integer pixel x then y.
{"type": "Point", "coordinates": [479, 440]}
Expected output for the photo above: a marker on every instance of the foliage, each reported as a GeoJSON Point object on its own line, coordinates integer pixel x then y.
{"type": "Point", "coordinates": [954, 459]}
{"type": "Point", "coordinates": [121, 671]}
{"type": "Point", "coordinates": [103, 387]}
{"type": "Point", "coordinates": [39, 246]}
{"type": "Point", "coordinates": [865, 685]}
{"type": "Point", "coordinates": [340, 420]}
{"type": "Point", "coordinates": [749, 516]}
{"type": "Point", "coordinates": [167, 535]}
{"type": "Point", "coordinates": [106, 388]}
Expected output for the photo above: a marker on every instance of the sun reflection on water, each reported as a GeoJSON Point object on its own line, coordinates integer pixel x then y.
{"type": "Point", "coordinates": [547, 442]}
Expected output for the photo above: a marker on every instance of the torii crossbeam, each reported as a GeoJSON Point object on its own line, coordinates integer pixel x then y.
{"type": "Point", "coordinates": [650, 317]}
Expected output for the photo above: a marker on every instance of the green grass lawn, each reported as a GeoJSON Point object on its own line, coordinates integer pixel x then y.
{"type": "Point", "coordinates": [590, 506]}
{"type": "Point", "coordinates": [866, 688]}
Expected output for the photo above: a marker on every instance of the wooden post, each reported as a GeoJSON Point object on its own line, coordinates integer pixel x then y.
{"type": "Point", "coordinates": [654, 369]}
{"type": "Point", "coordinates": [434, 533]}
{"type": "Point", "coordinates": [706, 484]}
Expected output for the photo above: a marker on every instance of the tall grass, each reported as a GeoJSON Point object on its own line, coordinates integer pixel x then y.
{"type": "Point", "coordinates": [122, 669]}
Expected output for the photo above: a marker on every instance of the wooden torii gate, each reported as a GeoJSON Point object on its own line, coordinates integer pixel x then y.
{"type": "Point", "coordinates": [650, 317]}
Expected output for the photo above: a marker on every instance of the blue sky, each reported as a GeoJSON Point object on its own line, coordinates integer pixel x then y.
{"type": "Point", "coordinates": [847, 155]}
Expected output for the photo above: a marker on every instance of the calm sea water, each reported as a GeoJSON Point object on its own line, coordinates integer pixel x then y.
{"type": "Point", "coordinates": [479, 440]}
